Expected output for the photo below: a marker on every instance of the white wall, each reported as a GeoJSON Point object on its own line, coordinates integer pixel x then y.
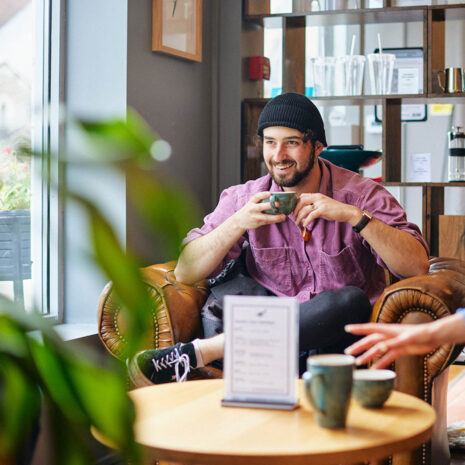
{"type": "Point", "coordinates": [96, 70]}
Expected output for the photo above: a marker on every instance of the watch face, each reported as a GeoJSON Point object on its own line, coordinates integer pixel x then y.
{"type": "Point", "coordinates": [179, 25]}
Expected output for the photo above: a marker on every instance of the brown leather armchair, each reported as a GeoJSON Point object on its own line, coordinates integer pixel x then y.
{"type": "Point", "coordinates": [415, 300]}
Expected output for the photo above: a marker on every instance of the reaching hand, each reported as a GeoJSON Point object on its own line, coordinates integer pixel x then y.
{"type": "Point", "coordinates": [312, 206]}
{"type": "Point", "coordinates": [251, 215]}
{"type": "Point", "coordinates": [390, 341]}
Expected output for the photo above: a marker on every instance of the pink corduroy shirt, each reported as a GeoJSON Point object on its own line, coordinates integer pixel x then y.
{"type": "Point", "coordinates": [334, 257]}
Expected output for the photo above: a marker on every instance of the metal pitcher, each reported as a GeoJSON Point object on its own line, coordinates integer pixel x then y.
{"type": "Point", "coordinates": [454, 80]}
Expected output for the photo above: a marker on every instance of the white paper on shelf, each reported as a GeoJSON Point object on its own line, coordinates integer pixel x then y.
{"type": "Point", "coordinates": [280, 6]}
{"type": "Point", "coordinates": [408, 81]}
{"type": "Point", "coordinates": [419, 167]}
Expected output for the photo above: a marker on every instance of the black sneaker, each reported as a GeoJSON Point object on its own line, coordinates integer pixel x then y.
{"type": "Point", "coordinates": [158, 366]}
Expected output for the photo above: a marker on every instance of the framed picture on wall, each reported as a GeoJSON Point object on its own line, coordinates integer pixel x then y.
{"type": "Point", "coordinates": [177, 28]}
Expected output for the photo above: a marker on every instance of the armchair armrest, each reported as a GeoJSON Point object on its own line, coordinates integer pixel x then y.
{"type": "Point", "coordinates": [175, 316]}
{"type": "Point", "coordinates": [422, 299]}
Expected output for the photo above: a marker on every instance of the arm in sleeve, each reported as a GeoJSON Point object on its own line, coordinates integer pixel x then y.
{"type": "Point", "coordinates": [206, 250]}
{"type": "Point", "coordinates": [390, 245]}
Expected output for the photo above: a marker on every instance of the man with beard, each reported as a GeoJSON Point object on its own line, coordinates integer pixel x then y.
{"type": "Point", "coordinates": [330, 253]}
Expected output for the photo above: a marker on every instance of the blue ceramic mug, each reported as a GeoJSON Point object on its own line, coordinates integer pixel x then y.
{"type": "Point", "coordinates": [328, 385]}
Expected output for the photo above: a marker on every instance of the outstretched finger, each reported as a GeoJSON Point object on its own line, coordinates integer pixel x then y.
{"type": "Point", "coordinates": [364, 344]}
{"type": "Point", "coordinates": [387, 359]}
{"type": "Point", "coordinates": [377, 350]}
{"type": "Point", "coordinates": [370, 328]}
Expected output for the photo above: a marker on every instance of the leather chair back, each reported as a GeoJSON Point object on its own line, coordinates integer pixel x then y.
{"type": "Point", "coordinates": [175, 316]}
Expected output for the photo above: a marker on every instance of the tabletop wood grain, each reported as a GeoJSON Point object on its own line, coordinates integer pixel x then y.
{"type": "Point", "coordinates": [185, 423]}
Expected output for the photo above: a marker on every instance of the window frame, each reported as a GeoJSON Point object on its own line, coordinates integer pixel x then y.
{"type": "Point", "coordinates": [47, 175]}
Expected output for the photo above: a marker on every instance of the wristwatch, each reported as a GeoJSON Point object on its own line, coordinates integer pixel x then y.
{"type": "Point", "coordinates": [366, 218]}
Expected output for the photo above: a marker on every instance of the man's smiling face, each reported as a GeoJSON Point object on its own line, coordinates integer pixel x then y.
{"type": "Point", "coordinates": [288, 158]}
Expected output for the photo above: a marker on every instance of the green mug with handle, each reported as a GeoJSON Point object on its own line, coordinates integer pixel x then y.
{"type": "Point", "coordinates": [287, 202]}
{"type": "Point", "coordinates": [328, 386]}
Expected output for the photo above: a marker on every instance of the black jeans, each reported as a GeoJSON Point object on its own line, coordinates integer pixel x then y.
{"type": "Point", "coordinates": [321, 319]}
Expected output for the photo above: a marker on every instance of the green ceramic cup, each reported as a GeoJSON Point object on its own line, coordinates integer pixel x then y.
{"type": "Point", "coordinates": [328, 386]}
{"type": "Point", "coordinates": [373, 387]}
{"type": "Point", "coordinates": [287, 202]}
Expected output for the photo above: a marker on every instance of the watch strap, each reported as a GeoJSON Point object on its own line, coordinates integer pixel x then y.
{"type": "Point", "coordinates": [366, 218]}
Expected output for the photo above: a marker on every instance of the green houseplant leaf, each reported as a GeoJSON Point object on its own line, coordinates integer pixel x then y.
{"type": "Point", "coordinates": [79, 391]}
{"type": "Point", "coordinates": [19, 408]}
{"type": "Point", "coordinates": [165, 207]}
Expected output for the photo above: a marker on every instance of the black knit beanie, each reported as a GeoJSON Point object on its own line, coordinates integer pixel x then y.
{"type": "Point", "coordinates": [294, 111]}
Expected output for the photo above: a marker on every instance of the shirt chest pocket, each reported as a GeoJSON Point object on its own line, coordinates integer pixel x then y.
{"type": "Point", "coordinates": [343, 268]}
{"type": "Point", "coordinates": [280, 268]}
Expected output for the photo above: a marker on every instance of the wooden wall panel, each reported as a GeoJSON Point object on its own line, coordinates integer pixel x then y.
{"type": "Point", "coordinates": [392, 141]}
{"type": "Point", "coordinates": [251, 155]}
{"type": "Point", "coordinates": [251, 45]}
{"type": "Point", "coordinates": [294, 55]}
{"type": "Point", "coordinates": [433, 207]}
{"type": "Point", "coordinates": [257, 7]}
{"type": "Point", "coordinates": [436, 47]}
{"type": "Point", "coordinates": [451, 228]}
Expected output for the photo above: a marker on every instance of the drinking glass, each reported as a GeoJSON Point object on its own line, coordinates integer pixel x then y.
{"type": "Point", "coordinates": [323, 76]}
{"type": "Point", "coordinates": [381, 68]}
{"type": "Point", "coordinates": [353, 68]}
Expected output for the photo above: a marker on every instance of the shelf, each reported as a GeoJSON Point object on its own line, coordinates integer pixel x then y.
{"type": "Point", "coordinates": [423, 184]}
{"type": "Point", "coordinates": [360, 16]}
{"type": "Point", "coordinates": [348, 100]}
{"type": "Point", "coordinates": [393, 14]}
{"type": "Point", "coordinates": [294, 27]}
{"type": "Point", "coordinates": [448, 97]}
{"type": "Point", "coordinates": [366, 99]}
{"type": "Point", "coordinates": [373, 99]}
{"type": "Point", "coordinates": [450, 11]}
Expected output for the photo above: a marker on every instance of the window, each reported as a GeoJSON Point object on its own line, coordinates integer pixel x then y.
{"type": "Point", "coordinates": [28, 85]}
{"type": "Point", "coordinates": [16, 82]}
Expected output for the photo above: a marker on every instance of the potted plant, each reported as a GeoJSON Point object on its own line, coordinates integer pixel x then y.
{"type": "Point", "coordinates": [38, 368]}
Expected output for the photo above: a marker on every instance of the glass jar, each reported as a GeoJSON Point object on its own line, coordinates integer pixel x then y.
{"type": "Point", "coordinates": [456, 138]}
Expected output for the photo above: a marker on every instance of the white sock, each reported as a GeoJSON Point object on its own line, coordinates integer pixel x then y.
{"type": "Point", "coordinates": [198, 355]}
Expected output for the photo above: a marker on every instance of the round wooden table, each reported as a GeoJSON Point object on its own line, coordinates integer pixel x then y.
{"type": "Point", "coordinates": [185, 423]}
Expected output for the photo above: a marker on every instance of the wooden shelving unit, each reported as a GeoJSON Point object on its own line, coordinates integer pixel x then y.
{"type": "Point", "coordinates": [360, 16]}
{"type": "Point", "coordinates": [433, 19]}
{"type": "Point", "coordinates": [433, 208]}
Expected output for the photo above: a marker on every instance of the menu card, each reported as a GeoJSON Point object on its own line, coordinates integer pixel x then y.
{"type": "Point", "coordinates": [261, 352]}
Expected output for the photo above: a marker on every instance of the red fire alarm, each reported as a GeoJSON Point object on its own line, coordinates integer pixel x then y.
{"type": "Point", "coordinates": [259, 68]}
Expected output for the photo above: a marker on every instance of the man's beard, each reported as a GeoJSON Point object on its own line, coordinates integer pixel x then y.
{"type": "Point", "coordinates": [286, 180]}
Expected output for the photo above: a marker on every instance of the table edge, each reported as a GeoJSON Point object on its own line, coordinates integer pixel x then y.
{"type": "Point", "coordinates": [324, 458]}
